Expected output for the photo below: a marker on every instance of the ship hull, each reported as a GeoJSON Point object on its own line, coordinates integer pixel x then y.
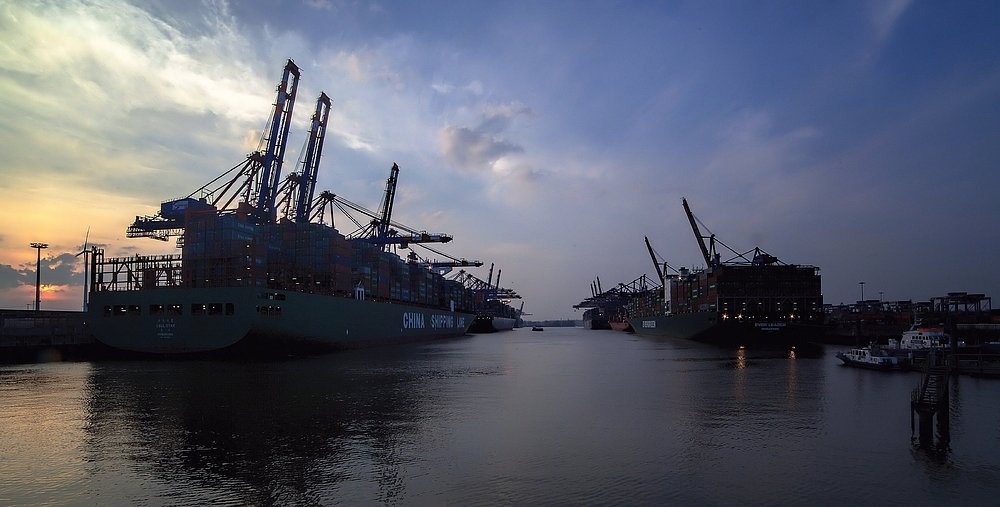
{"type": "Point", "coordinates": [597, 323]}
{"type": "Point", "coordinates": [492, 324]}
{"type": "Point", "coordinates": [620, 325]}
{"type": "Point", "coordinates": [707, 327]}
{"type": "Point", "coordinates": [595, 319]}
{"type": "Point", "coordinates": [183, 321]}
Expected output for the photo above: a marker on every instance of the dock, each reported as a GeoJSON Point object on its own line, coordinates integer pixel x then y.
{"type": "Point", "coordinates": [27, 335]}
{"type": "Point", "coordinates": [976, 364]}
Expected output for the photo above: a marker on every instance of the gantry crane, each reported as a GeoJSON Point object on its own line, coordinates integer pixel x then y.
{"type": "Point", "coordinates": [707, 252]}
{"type": "Point", "coordinates": [713, 258]}
{"type": "Point", "coordinates": [296, 193]}
{"type": "Point", "coordinates": [487, 289]}
{"type": "Point", "coordinates": [255, 178]}
{"type": "Point", "coordinates": [379, 229]}
{"type": "Point", "coordinates": [652, 255]}
{"type": "Point", "coordinates": [281, 121]}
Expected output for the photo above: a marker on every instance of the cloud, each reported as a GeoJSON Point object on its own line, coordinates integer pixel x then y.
{"type": "Point", "coordinates": [104, 87]}
{"type": "Point", "coordinates": [61, 269]}
{"type": "Point", "coordinates": [124, 57]}
{"type": "Point", "coordinates": [475, 88]}
{"type": "Point", "coordinates": [442, 88]}
{"type": "Point", "coordinates": [884, 16]}
{"type": "Point", "coordinates": [11, 277]}
{"type": "Point", "coordinates": [482, 147]}
{"type": "Point", "coordinates": [324, 5]}
{"type": "Point", "coordinates": [474, 149]}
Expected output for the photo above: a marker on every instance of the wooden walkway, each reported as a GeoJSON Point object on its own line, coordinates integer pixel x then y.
{"type": "Point", "coordinates": [929, 402]}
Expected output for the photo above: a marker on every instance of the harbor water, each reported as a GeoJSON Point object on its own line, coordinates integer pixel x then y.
{"type": "Point", "coordinates": [560, 417]}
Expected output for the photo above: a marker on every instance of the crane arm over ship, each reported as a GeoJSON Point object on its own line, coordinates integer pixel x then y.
{"type": "Point", "coordinates": [488, 289]}
{"type": "Point", "coordinates": [442, 267]}
{"type": "Point", "coordinates": [707, 252]}
{"type": "Point", "coordinates": [652, 255]}
{"type": "Point", "coordinates": [379, 228]}
{"type": "Point", "coordinates": [713, 258]}
{"type": "Point", "coordinates": [256, 178]}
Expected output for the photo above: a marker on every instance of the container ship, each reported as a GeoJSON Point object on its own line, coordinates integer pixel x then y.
{"type": "Point", "coordinates": [595, 318]}
{"type": "Point", "coordinates": [595, 315]}
{"type": "Point", "coordinates": [752, 299]}
{"type": "Point", "coordinates": [607, 309]}
{"type": "Point", "coordinates": [494, 312]}
{"type": "Point", "coordinates": [259, 268]}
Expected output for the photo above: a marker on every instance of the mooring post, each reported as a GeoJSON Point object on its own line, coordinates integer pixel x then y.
{"type": "Point", "coordinates": [944, 410]}
{"type": "Point", "coordinates": [926, 428]}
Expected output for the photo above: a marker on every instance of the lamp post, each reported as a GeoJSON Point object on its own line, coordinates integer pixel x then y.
{"type": "Point", "coordinates": [38, 273]}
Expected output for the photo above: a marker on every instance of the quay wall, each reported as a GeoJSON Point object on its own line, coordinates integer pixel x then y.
{"type": "Point", "coordinates": [25, 334]}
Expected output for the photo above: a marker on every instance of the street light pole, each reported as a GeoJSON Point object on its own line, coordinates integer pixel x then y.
{"type": "Point", "coordinates": [38, 274]}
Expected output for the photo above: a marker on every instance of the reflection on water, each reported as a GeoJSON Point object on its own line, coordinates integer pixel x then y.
{"type": "Point", "coordinates": [272, 433]}
{"type": "Point", "coordinates": [41, 430]}
{"type": "Point", "coordinates": [568, 416]}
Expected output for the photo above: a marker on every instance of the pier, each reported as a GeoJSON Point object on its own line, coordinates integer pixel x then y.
{"type": "Point", "coordinates": [929, 402]}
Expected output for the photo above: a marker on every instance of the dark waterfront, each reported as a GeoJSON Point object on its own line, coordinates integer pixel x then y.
{"type": "Point", "coordinates": [564, 416]}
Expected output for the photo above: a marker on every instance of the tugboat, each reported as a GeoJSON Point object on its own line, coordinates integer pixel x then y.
{"type": "Point", "coordinates": [871, 357]}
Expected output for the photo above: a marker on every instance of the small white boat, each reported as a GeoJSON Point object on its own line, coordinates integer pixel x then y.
{"type": "Point", "coordinates": [922, 338]}
{"type": "Point", "coordinates": [869, 357]}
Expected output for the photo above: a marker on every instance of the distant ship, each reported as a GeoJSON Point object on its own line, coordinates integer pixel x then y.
{"type": "Point", "coordinates": [489, 323]}
{"type": "Point", "coordinates": [751, 299]}
{"type": "Point", "coordinates": [608, 309]}
{"type": "Point", "coordinates": [595, 315]}
{"type": "Point", "coordinates": [618, 319]}
{"type": "Point", "coordinates": [494, 312]}
{"type": "Point", "coordinates": [595, 318]}
{"type": "Point", "coordinates": [259, 268]}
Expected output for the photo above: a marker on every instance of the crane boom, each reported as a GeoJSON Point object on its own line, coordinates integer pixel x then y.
{"type": "Point", "coordinates": [382, 227]}
{"type": "Point", "coordinates": [369, 232]}
{"type": "Point", "coordinates": [281, 122]}
{"type": "Point", "coordinates": [659, 270]}
{"type": "Point", "coordinates": [310, 163]}
{"type": "Point", "coordinates": [697, 233]}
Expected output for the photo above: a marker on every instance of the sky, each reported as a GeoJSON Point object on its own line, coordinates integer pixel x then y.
{"type": "Point", "coordinates": [548, 137]}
